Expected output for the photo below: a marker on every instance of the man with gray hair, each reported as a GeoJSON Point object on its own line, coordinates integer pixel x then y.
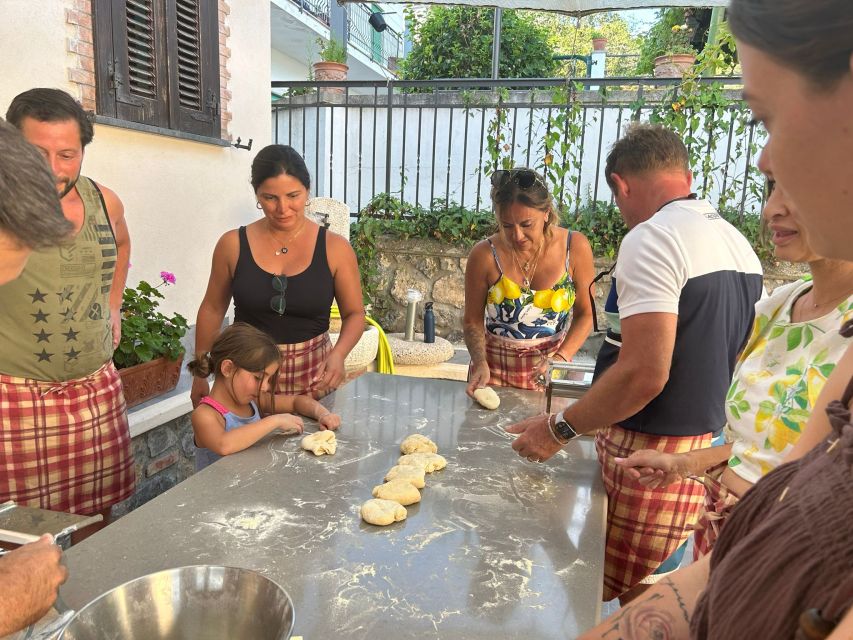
{"type": "Point", "coordinates": [30, 218]}
{"type": "Point", "coordinates": [680, 309]}
{"type": "Point", "coordinates": [30, 215]}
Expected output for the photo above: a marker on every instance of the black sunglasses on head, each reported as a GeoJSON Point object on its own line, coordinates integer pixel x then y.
{"type": "Point", "coordinates": [524, 178]}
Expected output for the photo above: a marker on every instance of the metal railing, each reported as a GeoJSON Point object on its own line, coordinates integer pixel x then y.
{"type": "Point", "coordinates": [438, 141]}
{"type": "Point", "coordinates": [379, 47]}
{"type": "Point", "coordinates": [375, 45]}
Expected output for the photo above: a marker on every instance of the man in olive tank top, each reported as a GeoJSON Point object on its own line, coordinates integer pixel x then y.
{"type": "Point", "coordinates": [64, 437]}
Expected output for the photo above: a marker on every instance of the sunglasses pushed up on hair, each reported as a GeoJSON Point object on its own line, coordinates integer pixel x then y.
{"type": "Point", "coordinates": [524, 178]}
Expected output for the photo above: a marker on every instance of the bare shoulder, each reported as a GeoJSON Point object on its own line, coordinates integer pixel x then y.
{"type": "Point", "coordinates": [580, 242]}
{"type": "Point", "coordinates": [337, 246]}
{"type": "Point", "coordinates": [228, 245]}
{"type": "Point", "coordinates": [115, 208]}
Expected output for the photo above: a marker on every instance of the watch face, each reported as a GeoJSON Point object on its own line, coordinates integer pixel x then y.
{"type": "Point", "coordinates": [564, 430]}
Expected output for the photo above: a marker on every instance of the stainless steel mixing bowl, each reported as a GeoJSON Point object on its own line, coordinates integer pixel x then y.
{"type": "Point", "coordinates": [201, 602]}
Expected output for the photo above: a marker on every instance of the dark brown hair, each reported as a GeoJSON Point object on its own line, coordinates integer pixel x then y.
{"type": "Point", "coordinates": [536, 196]}
{"type": "Point", "coordinates": [29, 205]}
{"type": "Point", "coordinates": [277, 159]}
{"type": "Point", "coordinates": [644, 148]}
{"type": "Point", "coordinates": [812, 37]}
{"type": "Point", "coordinates": [248, 348]}
{"type": "Point", "coordinates": [50, 105]}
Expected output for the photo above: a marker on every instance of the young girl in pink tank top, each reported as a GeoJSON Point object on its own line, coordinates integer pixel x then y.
{"type": "Point", "coordinates": [245, 362]}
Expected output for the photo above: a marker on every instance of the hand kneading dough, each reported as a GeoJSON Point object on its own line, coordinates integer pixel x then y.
{"type": "Point", "coordinates": [487, 397]}
{"type": "Point", "coordinates": [429, 462]}
{"type": "Point", "coordinates": [398, 490]}
{"type": "Point", "coordinates": [320, 443]}
{"type": "Point", "coordinates": [416, 443]}
{"type": "Point", "coordinates": [407, 472]}
{"type": "Point", "coordinates": [382, 512]}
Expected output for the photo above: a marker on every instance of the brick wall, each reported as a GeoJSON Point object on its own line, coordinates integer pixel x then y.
{"type": "Point", "coordinates": [81, 50]}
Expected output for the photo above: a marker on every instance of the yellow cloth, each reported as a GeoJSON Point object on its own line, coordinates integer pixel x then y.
{"type": "Point", "coordinates": [384, 359]}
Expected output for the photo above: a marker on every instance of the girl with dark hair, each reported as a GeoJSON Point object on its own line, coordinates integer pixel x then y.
{"type": "Point", "coordinates": [245, 365]}
{"type": "Point", "coordinates": [783, 564]}
{"type": "Point", "coordinates": [283, 272]}
{"type": "Point", "coordinates": [521, 307]}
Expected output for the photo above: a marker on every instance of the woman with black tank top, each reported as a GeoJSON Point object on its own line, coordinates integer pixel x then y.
{"type": "Point", "coordinates": [783, 564]}
{"type": "Point", "coordinates": [283, 272]}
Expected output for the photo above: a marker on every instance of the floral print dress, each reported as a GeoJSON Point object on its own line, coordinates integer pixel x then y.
{"type": "Point", "coordinates": [778, 378]}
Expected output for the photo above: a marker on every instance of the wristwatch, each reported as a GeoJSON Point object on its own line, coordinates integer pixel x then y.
{"type": "Point", "coordinates": [562, 430]}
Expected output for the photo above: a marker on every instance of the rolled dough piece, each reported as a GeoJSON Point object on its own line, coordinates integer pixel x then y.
{"type": "Point", "coordinates": [382, 512]}
{"type": "Point", "coordinates": [407, 472]}
{"type": "Point", "coordinates": [416, 443]}
{"type": "Point", "coordinates": [429, 462]}
{"type": "Point", "coordinates": [398, 490]}
{"type": "Point", "coordinates": [320, 443]}
{"type": "Point", "coordinates": [487, 398]}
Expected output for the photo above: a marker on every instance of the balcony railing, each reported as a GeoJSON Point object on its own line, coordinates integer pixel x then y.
{"type": "Point", "coordinates": [379, 47]}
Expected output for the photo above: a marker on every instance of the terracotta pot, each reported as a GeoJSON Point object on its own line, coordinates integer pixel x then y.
{"type": "Point", "coordinates": [144, 381]}
{"type": "Point", "coordinates": [331, 71]}
{"type": "Point", "coordinates": [599, 44]}
{"type": "Point", "coordinates": [674, 65]}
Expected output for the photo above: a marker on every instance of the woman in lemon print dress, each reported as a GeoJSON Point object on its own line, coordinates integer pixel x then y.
{"type": "Point", "coordinates": [794, 346]}
{"type": "Point", "coordinates": [521, 286]}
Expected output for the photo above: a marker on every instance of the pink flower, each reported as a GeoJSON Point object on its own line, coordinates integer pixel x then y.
{"type": "Point", "coordinates": [168, 278]}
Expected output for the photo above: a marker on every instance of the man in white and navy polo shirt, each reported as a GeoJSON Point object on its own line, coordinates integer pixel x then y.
{"type": "Point", "coordinates": [680, 310]}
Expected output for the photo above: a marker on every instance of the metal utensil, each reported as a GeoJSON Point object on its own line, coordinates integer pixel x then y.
{"type": "Point", "coordinates": [203, 602]}
{"type": "Point", "coordinates": [567, 380]}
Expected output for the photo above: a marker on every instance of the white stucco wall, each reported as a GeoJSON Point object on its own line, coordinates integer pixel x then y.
{"type": "Point", "coordinates": [179, 196]}
{"type": "Point", "coordinates": [286, 67]}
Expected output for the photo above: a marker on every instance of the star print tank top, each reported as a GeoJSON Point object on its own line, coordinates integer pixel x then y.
{"type": "Point", "coordinates": [55, 318]}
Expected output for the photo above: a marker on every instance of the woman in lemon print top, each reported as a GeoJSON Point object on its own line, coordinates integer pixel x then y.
{"type": "Point", "coordinates": [794, 346]}
{"type": "Point", "coordinates": [521, 307]}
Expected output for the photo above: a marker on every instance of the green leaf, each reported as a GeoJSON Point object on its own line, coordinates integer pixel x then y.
{"type": "Point", "coordinates": [795, 336]}
{"type": "Point", "coordinates": [776, 332]}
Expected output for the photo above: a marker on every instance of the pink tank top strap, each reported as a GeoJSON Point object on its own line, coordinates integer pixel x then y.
{"type": "Point", "coordinates": [215, 404]}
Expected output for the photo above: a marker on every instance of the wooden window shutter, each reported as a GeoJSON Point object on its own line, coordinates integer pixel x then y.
{"type": "Point", "coordinates": [132, 81]}
{"type": "Point", "coordinates": [193, 55]}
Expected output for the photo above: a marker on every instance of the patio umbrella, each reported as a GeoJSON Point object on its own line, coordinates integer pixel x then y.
{"type": "Point", "coordinates": [571, 7]}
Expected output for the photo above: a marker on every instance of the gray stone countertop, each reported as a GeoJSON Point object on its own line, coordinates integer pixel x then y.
{"type": "Point", "coordinates": [498, 547]}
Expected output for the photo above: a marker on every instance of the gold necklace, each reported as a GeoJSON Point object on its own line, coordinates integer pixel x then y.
{"type": "Point", "coordinates": [529, 267]}
{"type": "Point", "coordinates": [815, 305]}
{"type": "Point", "coordinates": [284, 249]}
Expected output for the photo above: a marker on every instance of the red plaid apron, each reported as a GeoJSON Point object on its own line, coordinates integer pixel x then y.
{"type": "Point", "coordinates": [512, 362]}
{"type": "Point", "coordinates": [300, 362]}
{"type": "Point", "coordinates": [65, 446]}
{"type": "Point", "coordinates": [719, 502]}
{"type": "Point", "coordinates": [644, 526]}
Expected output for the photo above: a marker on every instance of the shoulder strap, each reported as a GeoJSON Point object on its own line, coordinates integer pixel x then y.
{"type": "Point", "coordinates": [103, 205]}
{"type": "Point", "coordinates": [495, 254]}
{"type": "Point", "coordinates": [568, 248]}
{"type": "Point", "coordinates": [592, 295]}
{"type": "Point", "coordinates": [215, 404]}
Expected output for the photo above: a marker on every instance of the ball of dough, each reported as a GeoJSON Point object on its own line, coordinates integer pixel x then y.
{"type": "Point", "coordinates": [398, 490]}
{"type": "Point", "coordinates": [487, 397]}
{"type": "Point", "coordinates": [320, 443]}
{"type": "Point", "coordinates": [382, 512]}
{"type": "Point", "coordinates": [429, 462]}
{"type": "Point", "coordinates": [416, 443]}
{"type": "Point", "coordinates": [407, 472]}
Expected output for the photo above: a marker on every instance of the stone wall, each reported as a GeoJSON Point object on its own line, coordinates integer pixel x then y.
{"type": "Point", "coordinates": [164, 457]}
{"type": "Point", "coordinates": [438, 272]}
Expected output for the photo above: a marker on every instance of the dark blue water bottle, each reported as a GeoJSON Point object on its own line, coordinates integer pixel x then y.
{"type": "Point", "coordinates": [429, 323]}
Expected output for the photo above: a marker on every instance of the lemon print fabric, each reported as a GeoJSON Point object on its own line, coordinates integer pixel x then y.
{"type": "Point", "coordinates": [777, 380]}
{"type": "Point", "coordinates": [519, 313]}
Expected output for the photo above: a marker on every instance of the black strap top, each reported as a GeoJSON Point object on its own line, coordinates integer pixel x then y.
{"type": "Point", "coordinates": [308, 295]}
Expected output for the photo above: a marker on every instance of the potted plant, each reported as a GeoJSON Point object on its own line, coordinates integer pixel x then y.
{"type": "Point", "coordinates": [677, 54]}
{"type": "Point", "coordinates": [599, 41]}
{"type": "Point", "coordinates": [150, 353]}
{"type": "Point", "coordinates": [332, 64]}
